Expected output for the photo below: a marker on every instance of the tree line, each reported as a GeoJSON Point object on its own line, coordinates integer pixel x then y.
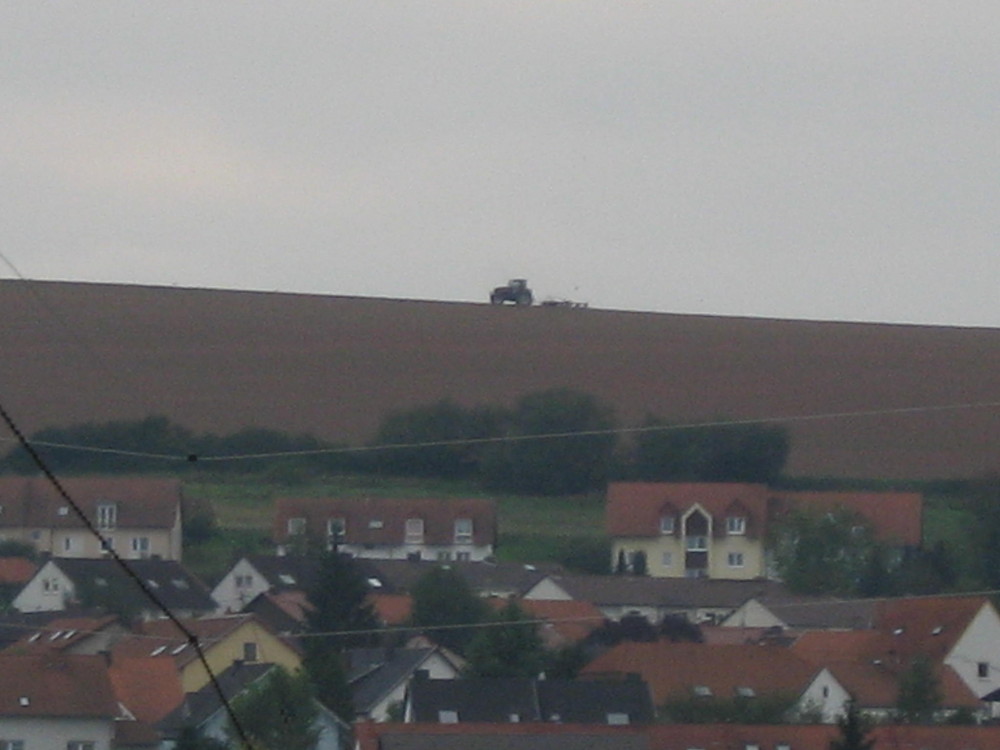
{"type": "Point", "coordinates": [552, 442]}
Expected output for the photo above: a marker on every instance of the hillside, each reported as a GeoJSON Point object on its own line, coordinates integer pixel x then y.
{"type": "Point", "coordinates": [220, 360]}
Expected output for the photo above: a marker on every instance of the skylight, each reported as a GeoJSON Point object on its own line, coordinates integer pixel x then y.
{"type": "Point", "coordinates": [158, 650]}
{"type": "Point", "coordinates": [179, 583]}
{"type": "Point", "coordinates": [286, 579]}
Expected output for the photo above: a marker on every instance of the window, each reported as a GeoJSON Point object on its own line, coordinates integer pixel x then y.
{"type": "Point", "coordinates": [448, 717]}
{"type": "Point", "coordinates": [79, 745]}
{"type": "Point", "coordinates": [617, 719]}
{"type": "Point", "coordinates": [697, 544]}
{"type": "Point", "coordinates": [667, 559]}
{"type": "Point", "coordinates": [463, 556]}
{"type": "Point", "coordinates": [463, 530]}
{"type": "Point", "coordinates": [745, 691]}
{"type": "Point", "coordinates": [735, 559]}
{"type": "Point", "coordinates": [514, 718]}
{"type": "Point", "coordinates": [249, 651]}
{"type": "Point", "coordinates": [736, 525]}
{"type": "Point", "coordinates": [140, 546]}
{"type": "Point", "coordinates": [296, 526]}
{"type": "Point", "coordinates": [443, 556]}
{"type": "Point", "coordinates": [983, 670]}
{"type": "Point", "coordinates": [107, 543]}
{"type": "Point", "coordinates": [244, 581]}
{"type": "Point", "coordinates": [666, 524]}
{"type": "Point", "coordinates": [68, 544]}
{"type": "Point", "coordinates": [107, 515]}
{"type": "Point", "coordinates": [49, 586]}
{"type": "Point", "coordinates": [336, 528]}
{"type": "Point", "coordinates": [414, 531]}
{"type": "Point", "coordinates": [703, 691]}
{"type": "Point", "coordinates": [13, 745]}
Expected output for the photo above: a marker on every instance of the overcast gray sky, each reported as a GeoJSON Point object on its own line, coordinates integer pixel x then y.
{"type": "Point", "coordinates": [832, 160]}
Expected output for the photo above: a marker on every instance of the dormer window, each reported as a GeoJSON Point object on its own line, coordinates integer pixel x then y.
{"type": "Point", "coordinates": [736, 525]}
{"type": "Point", "coordinates": [463, 531]}
{"type": "Point", "coordinates": [667, 524]}
{"type": "Point", "coordinates": [414, 531]}
{"type": "Point", "coordinates": [296, 526]}
{"type": "Point", "coordinates": [107, 515]}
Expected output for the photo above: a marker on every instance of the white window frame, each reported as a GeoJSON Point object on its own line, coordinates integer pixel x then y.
{"type": "Point", "coordinates": [668, 524]}
{"type": "Point", "coordinates": [414, 531]}
{"type": "Point", "coordinates": [736, 525]}
{"type": "Point", "coordinates": [736, 560]}
{"type": "Point", "coordinates": [11, 744]}
{"type": "Point", "coordinates": [463, 531]}
{"type": "Point", "coordinates": [297, 526]}
{"type": "Point", "coordinates": [80, 745]}
{"type": "Point", "coordinates": [336, 528]}
{"type": "Point", "coordinates": [140, 545]}
{"type": "Point", "coordinates": [67, 544]}
{"type": "Point", "coordinates": [107, 516]}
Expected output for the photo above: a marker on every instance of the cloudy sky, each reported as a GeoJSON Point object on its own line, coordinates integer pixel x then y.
{"type": "Point", "coordinates": [830, 160]}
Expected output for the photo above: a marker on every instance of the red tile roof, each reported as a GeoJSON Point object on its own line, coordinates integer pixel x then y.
{"type": "Point", "coordinates": [567, 621]}
{"type": "Point", "coordinates": [53, 684]}
{"type": "Point", "coordinates": [370, 735]}
{"type": "Point", "coordinates": [392, 609]}
{"type": "Point", "coordinates": [148, 687]}
{"type": "Point", "coordinates": [635, 508]}
{"type": "Point", "coordinates": [818, 737]}
{"type": "Point", "coordinates": [142, 502]}
{"type": "Point", "coordinates": [16, 570]}
{"type": "Point", "coordinates": [60, 633]}
{"type": "Point", "coordinates": [674, 669]}
{"type": "Point", "coordinates": [897, 517]}
{"type": "Point", "coordinates": [382, 521]}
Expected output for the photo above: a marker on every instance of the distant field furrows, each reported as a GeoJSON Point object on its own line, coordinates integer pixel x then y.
{"type": "Point", "coordinates": [333, 366]}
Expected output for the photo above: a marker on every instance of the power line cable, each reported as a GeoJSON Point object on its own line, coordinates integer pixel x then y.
{"type": "Point", "coordinates": [192, 639]}
{"type": "Point", "coordinates": [457, 442]}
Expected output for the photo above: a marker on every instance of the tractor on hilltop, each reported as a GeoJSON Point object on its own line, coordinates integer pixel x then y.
{"type": "Point", "coordinates": [516, 291]}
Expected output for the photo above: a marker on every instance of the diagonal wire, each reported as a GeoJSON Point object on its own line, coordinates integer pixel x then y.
{"type": "Point", "coordinates": [192, 639]}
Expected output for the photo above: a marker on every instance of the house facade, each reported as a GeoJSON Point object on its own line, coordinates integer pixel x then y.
{"type": "Point", "coordinates": [138, 517]}
{"type": "Point", "coordinates": [60, 701]}
{"type": "Point", "coordinates": [719, 530]}
{"type": "Point", "coordinates": [388, 528]}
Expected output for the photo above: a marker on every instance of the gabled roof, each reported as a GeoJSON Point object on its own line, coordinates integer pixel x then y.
{"type": "Point", "coordinates": [896, 517]}
{"type": "Point", "coordinates": [634, 509]}
{"type": "Point", "coordinates": [927, 625]}
{"type": "Point", "coordinates": [171, 582]}
{"type": "Point", "coordinates": [382, 521]}
{"type": "Point", "coordinates": [197, 707]}
{"type": "Point", "coordinates": [142, 502]}
{"type": "Point", "coordinates": [674, 670]}
{"type": "Point", "coordinates": [374, 672]}
{"type": "Point", "coordinates": [869, 663]}
{"type": "Point", "coordinates": [680, 593]}
{"type": "Point", "coordinates": [499, 699]}
{"type": "Point", "coordinates": [55, 685]}
{"type": "Point", "coordinates": [391, 609]}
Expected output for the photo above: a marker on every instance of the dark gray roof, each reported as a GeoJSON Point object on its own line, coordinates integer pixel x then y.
{"type": "Point", "coordinates": [498, 578]}
{"type": "Point", "coordinates": [562, 701]}
{"type": "Point", "coordinates": [174, 586]}
{"type": "Point", "coordinates": [682, 593]}
{"type": "Point", "coordinates": [199, 706]}
{"type": "Point", "coordinates": [813, 613]}
{"type": "Point", "coordinates": [285, 572]}
{"type": "Point", "coordinates": [374, 672]}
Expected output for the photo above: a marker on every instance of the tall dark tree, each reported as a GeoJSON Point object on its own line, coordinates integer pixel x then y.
{"type": "Point", "coordinates": [560, 442]}
{"type": "Point", "coordinates": [510, 647]}
{"type": "Point", "coordinates": [919, 693]}
{"type": "Point", "coordinates": [278, 712]}
{"type": "Point", "coordinates": [985, 535]}
{"type": "Point", "coordinates": [443, 600]}
{"type": "Point", "coordinates": [854, 731]}
{"type": "Point", "coordinates": [341, 618]}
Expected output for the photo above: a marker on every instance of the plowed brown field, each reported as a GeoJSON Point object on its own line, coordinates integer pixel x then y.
{"type": "Point", "coordinates": [221, 360]}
